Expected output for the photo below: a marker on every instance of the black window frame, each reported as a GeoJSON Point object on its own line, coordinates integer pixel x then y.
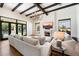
{"type": "Point", "coordinates": [9, 25]}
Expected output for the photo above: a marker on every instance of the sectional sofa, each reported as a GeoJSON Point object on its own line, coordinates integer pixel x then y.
{"type": "Point", "coordinates": [29, 46]}
{"type": "Point", "coordinates": [41, 46]}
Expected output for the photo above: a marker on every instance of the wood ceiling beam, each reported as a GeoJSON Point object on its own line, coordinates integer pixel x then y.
{"type": "Point", "coordinates": [73, 4]}
{"type": "Point", "coordinates": [38, 5]}
{"type": "Point", "coordinates": [55, 4]}
{"type": "Point", "coordinates": [52, 5]}
{"type": "Point", "coordinates": [17, 6]}
{"type": "Point", "coordinates": [28, 9]}
{"type": "Point", "coordinates": [63, 7]}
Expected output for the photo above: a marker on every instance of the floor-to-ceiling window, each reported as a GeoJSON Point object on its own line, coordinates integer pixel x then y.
{"type": "Point", "coordinates": [24, 30]}
{"type": "Point", "coordinates": [11, 26]}
{"type": "Point", "coordinates": [19, 29]}
{"type": "Point", "coordinates": [13, 29]}
{"type": "Point", "coordinates": [5, 30]}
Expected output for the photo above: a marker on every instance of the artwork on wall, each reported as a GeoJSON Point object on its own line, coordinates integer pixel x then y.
{"type": "Point", "coordinates": [37, 28]}
{"type": "Point", "coordinates": [48, 25]}
{"type": "Point", "coordinates": [64, 25]}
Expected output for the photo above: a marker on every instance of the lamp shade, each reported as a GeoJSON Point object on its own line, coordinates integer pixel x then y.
{"type": "Point", "coordinates": [59, 35]}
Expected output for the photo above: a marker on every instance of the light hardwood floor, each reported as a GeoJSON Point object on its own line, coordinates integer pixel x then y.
{"type": "Point", "coordinates": [7, 50]}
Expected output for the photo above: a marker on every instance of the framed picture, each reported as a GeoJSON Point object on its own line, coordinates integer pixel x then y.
{"type": "Point", "coordinates": [48, 25]}
{"type": "Point", "coordinates": [64, 25]}
{"type": "Point", "coordinates": [37, 28]}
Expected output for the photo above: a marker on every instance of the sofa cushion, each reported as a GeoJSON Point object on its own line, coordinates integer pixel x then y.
{"type": "Point", "coordinates": [18, 37]}
{"type": "Point", "coordinates": [41, 39]}
{"type": "Point", "coordinates": [35, 37]}
{"type": "Point", "coordinates": [48, 39]}
{"type": "Point", "coordinates": [31, 40]}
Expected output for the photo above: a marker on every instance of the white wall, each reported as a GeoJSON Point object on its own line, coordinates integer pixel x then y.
{"type": "Point", "coordinates": [29, 28]}
{"type": "Point", "coordinates": [78, 21]}
{"type": "Point", "coordinates": [8, 13]}
{"type": "Point", "coordinates": [69, 12]}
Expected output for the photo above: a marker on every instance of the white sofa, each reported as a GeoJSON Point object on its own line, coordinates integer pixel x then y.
{"type": "Point", "coordinates": [71, 46]}
{"type": "Point", "coordinates": [27, 49]}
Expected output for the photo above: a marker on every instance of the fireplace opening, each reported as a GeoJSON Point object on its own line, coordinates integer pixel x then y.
{"type": "Point", "coordinates": [47, 33]}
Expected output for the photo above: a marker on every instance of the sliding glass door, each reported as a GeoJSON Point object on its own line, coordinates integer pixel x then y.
{"type": "Point", "coordinates": [19, 29]}
{"type": "Point", "coordinates": [13, 29]}
{"type": "Point", "coordinates": [11, 26]}
{"type": "Point", "coordinates": [5, 30]}
{"type": "Point", "coordinates": [24, 30]}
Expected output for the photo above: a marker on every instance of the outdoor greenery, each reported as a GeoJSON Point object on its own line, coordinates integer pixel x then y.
{"type": "Point", "coordinates": [4, 26]}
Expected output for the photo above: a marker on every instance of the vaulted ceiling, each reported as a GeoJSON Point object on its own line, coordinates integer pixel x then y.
{"type": "Point", "coordinates": [31, 9]}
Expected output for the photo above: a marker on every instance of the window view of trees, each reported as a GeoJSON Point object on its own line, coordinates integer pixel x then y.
{"type": "Point", "coordinates": [24, 29]}
{"type": "Point", "coordinates": [19, 29]}
{"type": "Point", "coordinates": [64, 25]}
{"type": "Point", "coordinates": [10, 27]}
{"type": "Point", "coordinates": [13, 29]}
{"type": "Point", "coordinates": [5, 29]}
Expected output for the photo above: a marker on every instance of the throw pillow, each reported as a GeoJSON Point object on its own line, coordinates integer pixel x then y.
{"type": "Point", "coordinates": [30, 40]}
{"type": "Point", "coordinates": [18, 37]}
{"type": "Point", "coordinates": [41, 39]}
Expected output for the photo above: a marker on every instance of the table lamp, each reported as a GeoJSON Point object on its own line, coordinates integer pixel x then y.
{"type": "Point", "coordinates": [59, 37]}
